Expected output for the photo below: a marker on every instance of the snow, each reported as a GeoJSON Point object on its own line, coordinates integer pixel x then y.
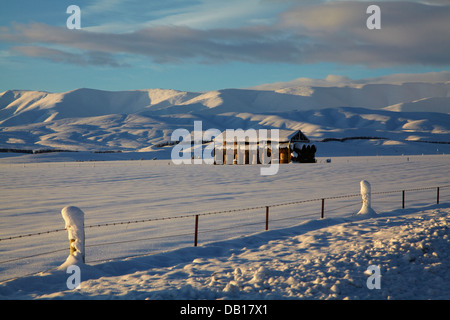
{"type": "Point", "coordinates": [314, 260]}
{"type": "Point", "coordinates": [366, 198]}
{"type": "Point", "coordinates": [297, 258]}
{"type": "Point", "coordinates": [138, 207]}
{"type": "Point", "coordinates": [136, 120]}
{"type": "Point", "coordinates": [74, 224]}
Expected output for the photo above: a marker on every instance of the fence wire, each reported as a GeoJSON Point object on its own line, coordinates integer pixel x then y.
{"type": "Point", "coordinates": [211, 230]}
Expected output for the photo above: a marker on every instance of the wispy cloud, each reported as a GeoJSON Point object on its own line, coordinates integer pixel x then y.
{"type": "Point", "coordinates": [55, 55]}
{"type": "Point", "coordinates": [411, 33]}
{"type": "Point", "coordinates": [165, 44]}
{"type": "Point", "coordinates": [123, 16]}
{"type": "Point", "coordinates": [337, 80]}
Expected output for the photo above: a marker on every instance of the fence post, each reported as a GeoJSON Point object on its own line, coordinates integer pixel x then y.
{"type": "Point", "coordinates": [74, 224]}
{"type": "Point", "coordinates": [403, 199]}
{"type": "Point", "coordinates": [323, 209]}
{"type": "Point", "coordinates": [437, 196]}
{"type": "Point", "coordinates": [196, 230]}
{"type": "Point", "coordinates": [267, 218]}
{"type": "Point", "coordinates": [366, 195]}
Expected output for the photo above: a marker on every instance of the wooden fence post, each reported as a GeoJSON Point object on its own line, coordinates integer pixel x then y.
{"type": "Point", "coordinates": [403, 199]}
{"type": "Point", "coordinates": [323, 209]}
{"type": "Point", "coordinates": [437, 196]}
{"type": "Point", "coordinates": [196, 230]}
{"type": "Point", "coordinates": [267, 218]}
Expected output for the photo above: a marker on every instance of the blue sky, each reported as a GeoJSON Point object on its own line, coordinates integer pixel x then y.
{"type": "Point", "coordinates": [199, 45]}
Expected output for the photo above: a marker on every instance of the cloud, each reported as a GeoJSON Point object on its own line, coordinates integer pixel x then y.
{"type": "Point", "coordinates": [165, 44]}
{"type": "Point", "coordinates": [131, 15]}
{"type": "Point", "coordinates": [55, 55]}
{"type": "Point", "coordinates": [337, 80]}
{"type": "Point", "coordinates": [411, 33]}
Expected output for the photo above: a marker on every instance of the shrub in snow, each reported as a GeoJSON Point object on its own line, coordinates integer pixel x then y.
{"type": "Point", "coordinates": [366, 198]}
{"type": "Point", "coordinates": [74, 219]}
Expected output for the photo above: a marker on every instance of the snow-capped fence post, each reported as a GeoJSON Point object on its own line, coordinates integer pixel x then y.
{"type": "Point", "coordinates": [366, 198]}
{"type": "Point", "coordinates": [74, 224]}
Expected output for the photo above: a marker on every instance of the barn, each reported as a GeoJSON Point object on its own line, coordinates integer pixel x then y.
{"type": "Point", "coordinates": [247, 147]}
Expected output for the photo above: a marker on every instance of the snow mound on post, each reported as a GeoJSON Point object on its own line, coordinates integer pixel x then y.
{"type": "Point", "coordinates": [366, 199]}
{"type": "Point", "coordinates": [74, 224]}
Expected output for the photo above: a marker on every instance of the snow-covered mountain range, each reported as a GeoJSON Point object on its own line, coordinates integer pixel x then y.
{"type": "Point", "coordinates": [139, 120]}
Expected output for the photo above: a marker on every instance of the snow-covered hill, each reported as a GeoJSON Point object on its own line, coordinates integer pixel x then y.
{"type": "Point", "coordinates": [20, 107]}
{"type": "Point", "coordinates": [88, 119]}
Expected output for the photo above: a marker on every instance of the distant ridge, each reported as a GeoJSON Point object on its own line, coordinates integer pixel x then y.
{"type": "Point", "coordinates": [138, 120]}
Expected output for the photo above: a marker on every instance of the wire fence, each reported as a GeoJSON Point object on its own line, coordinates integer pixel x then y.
{"type": "Point", "coordinates": [178, 231]}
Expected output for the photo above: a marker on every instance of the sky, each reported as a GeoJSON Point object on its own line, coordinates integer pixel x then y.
{"type": "Point", "coordinates": [202, 45]}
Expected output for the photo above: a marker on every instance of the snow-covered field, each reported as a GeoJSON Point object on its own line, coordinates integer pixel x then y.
{"type": "Point", "coordinates": [140, 212]}
{"type": "Point", "coordinates": [316, 260]}
{"type": "Point", "coordinates": [300, 256]}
